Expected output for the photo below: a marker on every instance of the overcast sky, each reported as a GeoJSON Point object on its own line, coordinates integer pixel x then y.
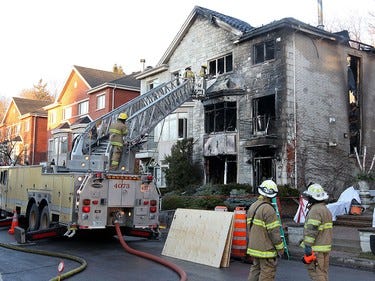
{"type": "Point", "coordinates": [44, 38]}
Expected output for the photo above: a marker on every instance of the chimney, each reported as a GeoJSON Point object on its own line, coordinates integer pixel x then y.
{"type": "Point", "coordinates": [320, 14]}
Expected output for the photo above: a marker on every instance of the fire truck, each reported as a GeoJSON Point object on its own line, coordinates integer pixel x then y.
{"type": "Point", "coordinates": [85, 194]}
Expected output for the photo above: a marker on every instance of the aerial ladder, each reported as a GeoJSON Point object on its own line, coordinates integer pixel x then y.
{"type": "Point", "coordinates": [91, 149]}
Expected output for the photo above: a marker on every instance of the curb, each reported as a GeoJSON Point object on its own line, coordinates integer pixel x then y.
{"type": "Point", "coordinates": [337, 259]}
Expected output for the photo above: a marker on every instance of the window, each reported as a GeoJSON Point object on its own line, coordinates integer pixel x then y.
{"type": "Point", "coordinates": [83, 107]}
{"type": "Point", "coordinates": [174, 126]}
{"type": "Point", "coordinates": [264, 51]}
{"type": "Point", "coordinates": [221, 65]}
{"type": "Point", "coordinates": [27, 125]}
{"type": "Point", "coordinates": [67, 113]}
{"type": "Point", "coordinates": [182, 128]}
{"type": "Point", "coordinates": [52, 117]}
{"type": "Point", "coordinates": [100, 102]}
{"type": "Point", "coordinates": [220, 117]}
{"type": "Point", "coordinates": [152, 84]}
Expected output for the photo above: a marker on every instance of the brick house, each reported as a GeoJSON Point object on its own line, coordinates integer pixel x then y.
{"type": "Point", "coordinates": [23, 132]}
{"type": "Point", "coordinates": [286, 100]}
{"type": "Point", "coordinates": [87, 94]}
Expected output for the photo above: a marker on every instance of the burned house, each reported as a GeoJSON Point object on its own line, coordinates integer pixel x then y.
{"type": "Point", "coordinates": [286, 100]}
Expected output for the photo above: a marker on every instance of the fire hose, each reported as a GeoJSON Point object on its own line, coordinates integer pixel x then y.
{"type": "Point", "coordinates": [52, 254]}
{"type": "Point", "coordinates": [177, 269]}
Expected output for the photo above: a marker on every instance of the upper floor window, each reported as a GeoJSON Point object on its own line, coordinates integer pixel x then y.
{"type": "Point", "coordinates": [152, 84]}
{"type": "Point", "coordinates": [220, 117]}
{"type": "Point", "coordinates": [221, 65]}
{"type": "Point", "coordinates": [52, 117]}
{"type": "Point", "coordinates": [67, 113]}
{"type": "Point", "coordinates": [173, 127]}
{"type": "Point", "coordinates": [264, 51]}
{"type": "Point", "coordinates": [83, 107]}
{"type": "Point", "coordinates": [27, 125]}
{"type": "Point", "coordinates": [100, 102]}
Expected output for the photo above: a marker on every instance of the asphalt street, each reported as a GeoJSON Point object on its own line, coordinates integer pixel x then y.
{"type": "Point", "coordinates": [108, 261]}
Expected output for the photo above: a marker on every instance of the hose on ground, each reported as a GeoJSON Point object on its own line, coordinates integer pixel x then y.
{"type": "Point", "coordinates": [52, 254]}
{"type": "Point", "coordinates": [177, 269]}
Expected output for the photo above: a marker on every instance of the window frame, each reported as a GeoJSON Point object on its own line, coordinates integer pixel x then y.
{"type": "Point", "coordinates": [83, 105]}
{"type": "Point", "coordinates": [100, 101]}
{"type": "Point", "coordinates": [264, 51]}
{"type": "Point", "coordinates": [223, 63]}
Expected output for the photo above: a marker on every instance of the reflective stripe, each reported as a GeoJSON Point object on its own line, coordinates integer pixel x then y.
{"type": "Point", "coordinates": [273, 225]}
{"type": "Point", "coordinates": [309, 239]}
{"type": "Point", "coordinates": [279, 246]}
{"type": "Point", "coordinates": [313, 222]}
{"type": "Point", "coordinates": [115, 131]}
{"type": "Point", "coordinates": [261, 254]}
{"type": "Point", "coordinates": [116, 143]}
{"type": "Point", "coordinates": [321, 248]}
{"type": "Point", "coordinates": [259, 223]}
{"type": "Point", "coordinates": [327, 225]}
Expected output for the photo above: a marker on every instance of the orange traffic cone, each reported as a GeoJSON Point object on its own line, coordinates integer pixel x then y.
{"type": "Point", "coordinates": [14, 223]}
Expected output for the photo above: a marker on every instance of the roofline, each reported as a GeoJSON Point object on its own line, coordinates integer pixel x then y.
{"type": "Point", "coordinates": [33, 114]}
{"type": "Point", "coordinates": [113, 85]}
{"type": "Point", "coordinates": [52, 105]}
{"type": "Point", "coordinates": [152, 71]}
{"type": "Point", "coordinates": [288, 23]}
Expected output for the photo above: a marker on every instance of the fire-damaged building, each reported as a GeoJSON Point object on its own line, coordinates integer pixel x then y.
{"type": "Point", "coordinates": [287, 100]}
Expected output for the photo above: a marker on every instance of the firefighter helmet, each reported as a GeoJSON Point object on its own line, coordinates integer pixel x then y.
{"type": "Point", "coordinates": [122, 116]}
{"type": "Point", "coordinates": [268, 188]}
{"type": "Point", "coordinates": [316, 192]}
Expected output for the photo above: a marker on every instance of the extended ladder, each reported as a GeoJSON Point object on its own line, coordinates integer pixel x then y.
{"type": "Point", "coordinates": [282, 233]}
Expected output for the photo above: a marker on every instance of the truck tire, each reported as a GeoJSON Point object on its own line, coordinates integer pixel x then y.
{"type": "Point", "coordinates": [33, 218]}
{"type": "Point", "coordinates": [44, 220]}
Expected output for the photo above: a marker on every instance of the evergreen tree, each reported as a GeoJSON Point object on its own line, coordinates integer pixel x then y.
{"type": "Point", "coordinates": [182, 172]}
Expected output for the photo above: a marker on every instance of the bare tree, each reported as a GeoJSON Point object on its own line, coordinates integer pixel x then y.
{"type": "Point", "coordinates": [38, 92]}
{"type": "Point", "coordinates": [4, 102]}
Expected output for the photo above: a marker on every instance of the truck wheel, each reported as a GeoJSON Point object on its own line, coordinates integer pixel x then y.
{"type": "Point", "coordinates": [44, 218]}
{"type": "Point", "coordinates": [33, 218]}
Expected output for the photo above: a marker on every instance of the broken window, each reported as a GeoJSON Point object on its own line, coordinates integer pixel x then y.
{"type": "Point", "coordinates": [264, 51]}
{"type": "Point", "coordinates": [182, 128]}
{"type": "Point", "coordinates": [354, 103]}
{"type": "Point", "coordinates": [220, 117]}
{"type": "Point", "coordinates": [220, 65]}
{"type": "Point", "coordinates": [221, 169]}
{"type": "Point", "coordinates": [263, 114]}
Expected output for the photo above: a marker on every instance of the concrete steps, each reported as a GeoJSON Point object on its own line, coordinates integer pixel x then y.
{"type": "Point", "coordinates": [363, 220]}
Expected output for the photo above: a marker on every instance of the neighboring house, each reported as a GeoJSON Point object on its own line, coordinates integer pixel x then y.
{"type": "Point", "coordinates": [286, 100]}
{"type": "Point", "coordinates": [87, 94]}
{"type": "Point", "coordinates": [23, 133]}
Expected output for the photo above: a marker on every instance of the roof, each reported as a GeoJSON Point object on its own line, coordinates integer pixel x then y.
{"type": "Point", "coordinates": [25, 106]}
{"type": "Point", "coordinates": [234, 22]}
{"type": "Point", "coordinates": [231, 24]}
{"type": "Point", "coordinates": [96, 77]}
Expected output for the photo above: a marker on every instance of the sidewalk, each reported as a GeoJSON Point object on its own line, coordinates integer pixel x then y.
{"type": "Point", "coordinates": [346, 250]}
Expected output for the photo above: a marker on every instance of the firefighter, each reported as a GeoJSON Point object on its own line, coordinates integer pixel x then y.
{"type": "Point", "coordinates": [118, 131]}
{"type": "Point", "coordinates": [317, 234]}
{"type": "Point", "coordinates": [189, 74]}
{"type": "Point", "coordinates": [263, 228]}
{"type": "Point", "coordinates": [203, 71]}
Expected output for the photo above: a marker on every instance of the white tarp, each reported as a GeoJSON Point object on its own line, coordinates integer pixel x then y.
{"type": "Point", "coordinates": [341, 207]}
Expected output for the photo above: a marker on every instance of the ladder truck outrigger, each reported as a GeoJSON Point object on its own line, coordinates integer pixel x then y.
{"type": "Point", "coordinates": [85, 195]}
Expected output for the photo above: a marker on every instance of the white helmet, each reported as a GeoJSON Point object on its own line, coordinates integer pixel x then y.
{"type": "Point", "coordinates": [316, 191]}
{"type": "Point", "coordinates": [268, 188]}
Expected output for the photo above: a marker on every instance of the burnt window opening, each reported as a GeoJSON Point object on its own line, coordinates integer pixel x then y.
{"type": "Point", "coordinates": [221, 169]}
{"type": "Point", "coordinates": [354, 99]}
{"type": "Point", "coordinates": [264, 51]}
{"type": "Point", "coordinates": [220, 65]}
{"type": "Point", "coordinates": [220, 117]}
{"type": "Point", "coordinates": [263, 115]}
{"type": "Point", "coordinates": [264, 165]}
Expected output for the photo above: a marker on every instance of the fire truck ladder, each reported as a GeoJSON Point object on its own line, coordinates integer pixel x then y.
{"type": "Point", "coordinates": [144, 113]}
{"type": "Point", "coordinates": [282, 233]}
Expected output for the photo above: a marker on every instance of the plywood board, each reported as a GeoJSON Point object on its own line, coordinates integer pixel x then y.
{"type": "Point", "coordinates": [200, 236]}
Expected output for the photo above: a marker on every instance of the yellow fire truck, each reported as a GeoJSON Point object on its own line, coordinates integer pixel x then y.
{"type": "Point", "coordinates": [85, 194]}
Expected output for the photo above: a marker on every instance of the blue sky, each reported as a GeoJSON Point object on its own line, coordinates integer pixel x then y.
{"type": "Point", "coordinates": [44, 38]}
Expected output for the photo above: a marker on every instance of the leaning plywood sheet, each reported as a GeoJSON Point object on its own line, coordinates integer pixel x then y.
{"type": "Point", "coordinates": [199, 236]}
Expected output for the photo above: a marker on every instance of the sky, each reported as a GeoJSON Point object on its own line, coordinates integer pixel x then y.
{"type": "Point", "coordinates": [44, 39]}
